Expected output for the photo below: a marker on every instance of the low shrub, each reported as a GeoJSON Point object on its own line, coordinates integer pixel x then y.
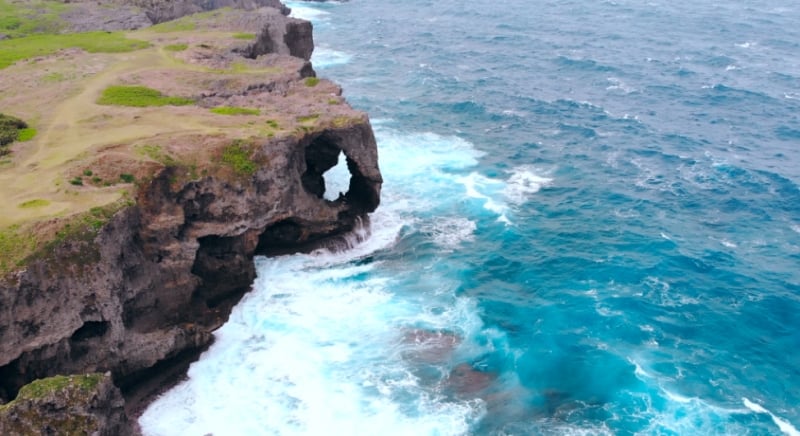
{"type": "Point", "coordinates": [10, 128]}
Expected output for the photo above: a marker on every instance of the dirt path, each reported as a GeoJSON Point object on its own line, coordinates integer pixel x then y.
{"type": "Point", "coordinates": [67, 139]}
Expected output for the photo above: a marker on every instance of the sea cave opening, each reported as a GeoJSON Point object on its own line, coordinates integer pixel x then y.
{"type": "Point", "coordinates": [336, 180]}
{"type": "Point", "coordinates": [322, 154]}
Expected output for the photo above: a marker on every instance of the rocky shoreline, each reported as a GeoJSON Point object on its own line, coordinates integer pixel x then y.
{"type": "Point", "coordinates": [135, 299]}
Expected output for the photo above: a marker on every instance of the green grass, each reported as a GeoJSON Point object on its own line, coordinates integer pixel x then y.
{"type": "Point", "coordinates": [157, 154]}
{"type": "Point", "coordinates": [312, 81]}
{"type": "Point", "coordinates": [176, 47]}
{"type": "Point", "coordinates": [274, 124]}
{"type": "Point", "coordinates": [232, 110]}
{"type": "Point", "coordinates": [179, 25]}
{"type": "Point", "coordinates": [16, 49]}
{"type": "Point", "coordinates": [38, 202]}
{"type": "Point", "coordinates": [342, 121]}
{"type": "Point", "coordinates": [26, 134]}
{"type": "Point", "coordinates": [139, 96]}
{"type": "Point", "coordinates": [308, 119]}
{"type": "Point", "coordinates": [20, 246]}
{"type": "Point", "coordinates": [187, 23]}
{"type": "Point", "coordinates": [244, 35]}
{"type": "Point", "coordinates": [19, 19]}
{"type": "Point", "coordinates": [237, 156]}
{"type": "Point", "coordinates": [15, 245]}
{"type": "Point", "coordinates": [127, 178]}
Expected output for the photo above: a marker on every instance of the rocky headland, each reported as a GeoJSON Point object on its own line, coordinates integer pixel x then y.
{"type": "Point", "coordinates": [155, 175]}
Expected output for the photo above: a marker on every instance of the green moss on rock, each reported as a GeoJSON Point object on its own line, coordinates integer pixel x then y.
{"type": "Point", "coordinates": [238, 157]}
{"type": "Point", "coordinates": [57, 384]}
{"type": "Point", "coordinates": [66, 405]}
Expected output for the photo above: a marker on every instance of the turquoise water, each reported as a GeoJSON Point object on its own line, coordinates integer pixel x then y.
{"type": "Point", "coordinates": [590, 225]}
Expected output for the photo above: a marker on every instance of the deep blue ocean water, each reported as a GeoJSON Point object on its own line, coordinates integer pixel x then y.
{"type": "Point", "coordinates": [590, 225]}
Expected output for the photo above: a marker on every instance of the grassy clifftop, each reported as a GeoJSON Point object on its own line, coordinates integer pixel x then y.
{"type": "Point", "coordinates": [112, 109]}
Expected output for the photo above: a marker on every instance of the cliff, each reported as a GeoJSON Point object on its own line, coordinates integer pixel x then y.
{"type": "Point", "coordinates": [137, 209]}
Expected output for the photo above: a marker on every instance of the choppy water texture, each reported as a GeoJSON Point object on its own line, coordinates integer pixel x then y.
{"type": "Point", "coordinates": [591, 225]}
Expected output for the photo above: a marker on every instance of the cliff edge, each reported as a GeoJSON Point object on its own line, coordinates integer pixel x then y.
{"type": "Point", "coordinates": [157, 173]}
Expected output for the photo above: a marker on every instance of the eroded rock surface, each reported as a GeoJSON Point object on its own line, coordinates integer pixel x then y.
{"type": "Point", "coordinates": [79, 404]}
{"type": "Point", "coordinates": [112, 15]}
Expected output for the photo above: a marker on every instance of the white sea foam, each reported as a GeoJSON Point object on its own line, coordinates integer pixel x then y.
{"type": "Point", "coordinates": [785, 426]}
{"type": "Point", "coordinates": [324, 57]}
{"type": "Point", "coordinates": [310, 356]}
{"type": "Point", "coordinates": [618, 85]}
{"type": "Point", "coordinates": [450, 232]}
{"type": "Point", "coordinates": [728, 243]}
{"type": "Point", "coordinates": [317, 347]}
{"type": "Point", "coordinates": [524, 182]}
{"type": "Point", "coordinates": [496, 194]}
{"type": "Point", "coordinates": [305, 12]}
{"type": "Point", "coordinates": [683, 414]}
{"type": "Point", "coordinates": [486, 189]}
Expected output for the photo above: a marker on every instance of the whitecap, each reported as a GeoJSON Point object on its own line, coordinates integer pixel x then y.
{"type": "Point", "coordinates": [677, 398]}
{"type": "Point", "coordinates": [487, 189]}
{"type": "Point", "coordinates": [450, 232]}
{"type": "Point", "coordinates": [785, 426]}
{"type": "Point", "coordinates": [305, 12]}
{"type": "Point", "coordinates": [619, 85]}
{"type": "Point", "coordinates": [324, 57]}
{"type": "Point", "coordinates": [728, 243]}
{"type": "Point", "coordinates": [524, 182]}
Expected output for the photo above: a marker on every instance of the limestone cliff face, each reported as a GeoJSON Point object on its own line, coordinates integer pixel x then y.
{"type": "Point", "coordinates": [145, 290]}
{"type": "Point", "coordinates": [163, 272]}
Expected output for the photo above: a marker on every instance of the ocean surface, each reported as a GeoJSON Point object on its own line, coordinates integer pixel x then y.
{"type": "Point", "coordinates": [590, 225]}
